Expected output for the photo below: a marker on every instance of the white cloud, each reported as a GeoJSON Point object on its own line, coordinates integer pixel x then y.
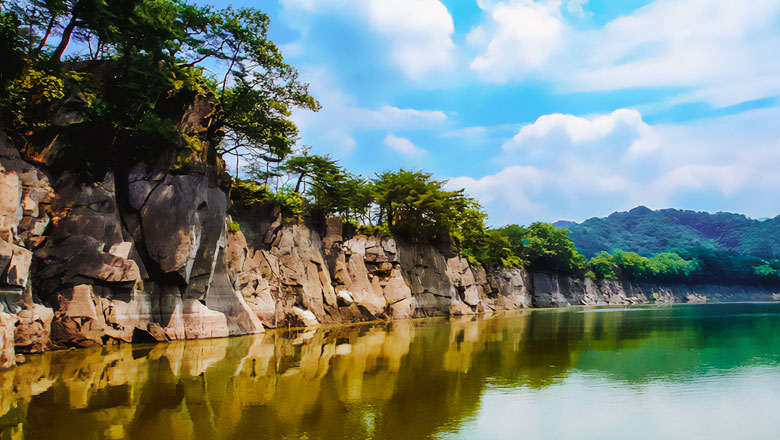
{"type": "Point", "coordinates": [576, 7]}
{"type": "Point", "coordinates": [502, 189]}
{"type": "Point", "coordinates": [418, 32]}
{"type": "Point", "coordinates": [524, 35]}
{"type": "Point", "coordinates": [580, 130]}
{"type": "Point", "coordinates": [403, 146]}
{"type": "Point", "coordinates": [570, 167]}
{"type": "Point", "coordinates": [723, 51]}
{"type": "Point", "coordinates": [341, 116]}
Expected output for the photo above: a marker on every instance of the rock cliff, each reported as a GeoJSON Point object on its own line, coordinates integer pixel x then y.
{"type": "Point", "coordinates": [146, 255]}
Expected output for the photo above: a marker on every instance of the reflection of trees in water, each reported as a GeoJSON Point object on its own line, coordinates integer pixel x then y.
{"type": "Point", "coordinates": [405, 379]}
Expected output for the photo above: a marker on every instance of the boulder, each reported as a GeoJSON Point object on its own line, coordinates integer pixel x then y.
{"type": "Point", "coordinates": [33, 331]}
{"type": "Point", "coordinates": [547, 291]}
{"type": "Point", "coordinates": [15, 264]}
{"type": "Point", "coordinates": [78, 321]}
{"type": "Point", "coordinates": [7, 354]}
{"type": "Point", "coordinates": [200, 322]}
{"type": "Point", "coordinates": [212, 241]}
{"type": "Point", "coordinates": [511, 287]}
{"type": "Point", "coordinates": [303, 317]}
{"type": "Point", "coordinates": [345, 299]}
{"type": "Point", "coordinates": [172, 220]}
{"type": "Point", "coordinates": [79, 260]}
{"type": "Point", "coordinates": [222, 297]}
{"type": "Point", "coordinates": [696, 298]}
{"type": "Point", "coordinates": [10, 204]}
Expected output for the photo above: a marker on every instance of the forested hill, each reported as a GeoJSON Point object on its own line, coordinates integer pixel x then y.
{"type": "Point", "coordinates": [649, 232]}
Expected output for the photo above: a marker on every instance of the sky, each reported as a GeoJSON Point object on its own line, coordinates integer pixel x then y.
{"type": "Point", "coordinates": [550, 109]}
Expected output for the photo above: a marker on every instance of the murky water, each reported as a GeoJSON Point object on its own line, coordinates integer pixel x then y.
{"type": "Point", "coordinates": [689, 372]}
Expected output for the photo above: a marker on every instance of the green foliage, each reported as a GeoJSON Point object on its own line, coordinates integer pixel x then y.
{"type": "Point", "coordinates": [376, 230]}
{"type": "Point", "coordinates": [415, 206]}
{"type": "Point", "coordinates": [290, 201]}
{"type": "Point", "coordinates": [517, 236]}
{"type": "Point", "coordinates": [768, 270]}
{"type": "Point", "coordinates": [136, 67]}
{"type": "Point", "coordinates": [263, 89]}
{"type": "Point", "coordinates": [602, 267]}
{"type": "Point", "coordinates": [29, 96]}
{"type": "Point", "coordinates": [724, 267]}
{"type": "Point", "coordinates": [11, 50]}
{"type": "Point", "coordinates": [671, 266]}
{"type": "Point", "coordinates": [244, 193]}
{"type": "Point", "coordinates": [650, 232]}
{"type": "Point", "coordinates": [233, 227]}
{"type": "Point", "coordinates": [547, 248]}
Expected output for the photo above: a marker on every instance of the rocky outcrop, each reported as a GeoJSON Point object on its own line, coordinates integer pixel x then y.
{"type": "Point", "coordinates": [7, 352]}
{"type": "Point", "coordinates": [146, 255]}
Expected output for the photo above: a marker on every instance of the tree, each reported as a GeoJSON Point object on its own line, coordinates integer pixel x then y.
{"type": "Point", "coordinates": [313, 170]}
{"type": "Point", "coordinates": [145, 57]}
{"type": "Point", "coordinates": [548, 248]}
{"type": "Point", "coordinates": [602, 267]}
{"type": "Point", "coordinates": [258, 89]}
{"type": "Point", "coordinates": [517, 236]}
{"type": "Point", "coordinates": [414, 205]}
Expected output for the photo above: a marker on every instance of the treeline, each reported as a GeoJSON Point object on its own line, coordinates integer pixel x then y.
{"type": "Point", "coordinates": [105, 81]}
{"type": "Point", "coordinates": [411, 205]}
{"type": "Point", "coordinates": [648, 232]}
{"type": "Point", "coordinates": [692, 266]}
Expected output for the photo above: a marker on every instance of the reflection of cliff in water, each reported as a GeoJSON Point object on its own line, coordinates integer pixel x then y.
{"type": "Point", "coordinates": [403, 379]}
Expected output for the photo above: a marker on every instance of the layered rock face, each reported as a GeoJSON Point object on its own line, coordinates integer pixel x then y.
{"type": "Point", "coordinates": [553, 290]}
{"type": "Point", "coordinates": [146, 255]}
{"type": "Point", "coordinates": [290, 276]}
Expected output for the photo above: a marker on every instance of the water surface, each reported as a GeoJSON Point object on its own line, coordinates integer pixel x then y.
{"type": "Point", "coordinates": [689, 372]}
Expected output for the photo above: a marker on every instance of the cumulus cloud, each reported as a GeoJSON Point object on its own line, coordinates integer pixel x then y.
{"type": "Point", "coordinates": [579, 130]}
{"type": "Point", "coordinates": [341, 115]}
{"type": "Point", "coordinates": [418, 32]}
{"type": "Point", "coordinates": [524, 34]}
{"type": "Point", "coordinates": [403, 146]}
{"type": "Point", "coordinates": [721, 51]}
{"type": "Point", "coordinates": [729, 162]}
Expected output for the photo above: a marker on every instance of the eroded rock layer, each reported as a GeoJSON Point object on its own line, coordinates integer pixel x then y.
{"type": "Point", "coordinates": [146, 255]}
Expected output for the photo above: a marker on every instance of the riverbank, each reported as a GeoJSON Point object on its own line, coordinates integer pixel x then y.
{"type": "Point", "coordinates": [418, 379]}
{"type": "Point", "coordinates": [151, 254]}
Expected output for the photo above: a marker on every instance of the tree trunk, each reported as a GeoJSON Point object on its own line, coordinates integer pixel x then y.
{"type": "Point", "coordinates": [298, 184]}
{"type": "Point", "coordinates": [45, 38]}
{"type": "Point", "coordinates": [67, 32]}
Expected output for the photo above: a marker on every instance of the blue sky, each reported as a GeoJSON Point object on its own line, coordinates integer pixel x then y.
{"type": "Point", "coordinates": [548, 109]}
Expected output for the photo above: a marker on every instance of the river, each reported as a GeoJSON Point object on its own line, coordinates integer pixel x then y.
{"type": "Point", "coordinates": [686, 371]}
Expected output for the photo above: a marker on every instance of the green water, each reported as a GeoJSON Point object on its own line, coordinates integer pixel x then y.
{"type": "Point", "coordinates": [688, 372]}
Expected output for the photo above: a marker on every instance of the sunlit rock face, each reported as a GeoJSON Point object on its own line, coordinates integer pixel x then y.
{"type": "Point", "coordinates": [289, 276]}
{"type": "Point", "coordinates": [7, 352]}
{"type": "Point", "coordinates": [137, 256]}
{"type": "Point", "coordinates": [145, 255]}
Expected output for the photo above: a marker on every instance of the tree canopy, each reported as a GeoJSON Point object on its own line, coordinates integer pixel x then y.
{"type": "Point", "coordinates": [127, 66]}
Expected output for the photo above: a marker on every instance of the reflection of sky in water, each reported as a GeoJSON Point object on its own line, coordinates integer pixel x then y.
{"type": "Point", "coordinates": [742, 405]}
{"type": "Point", "coordinates": [710, 371]}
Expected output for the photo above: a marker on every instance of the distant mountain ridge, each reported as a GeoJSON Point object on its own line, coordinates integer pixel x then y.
{"type": "Point", "coordinates": [647, 232]}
